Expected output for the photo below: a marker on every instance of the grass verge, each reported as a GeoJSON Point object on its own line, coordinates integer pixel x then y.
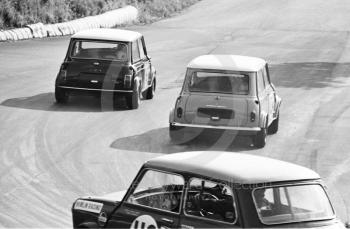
{"type": "Point", "coordinates": [18, 13]}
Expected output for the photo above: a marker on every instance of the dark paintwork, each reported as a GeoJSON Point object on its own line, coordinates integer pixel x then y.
{"type": "Point", "coordinates": [122, 214]}
{"type": "Point", "coordinates": [108, 75]}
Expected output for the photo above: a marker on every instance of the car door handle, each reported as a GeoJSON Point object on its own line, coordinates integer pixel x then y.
{"type": "Point", "coordinates": [167, 221]}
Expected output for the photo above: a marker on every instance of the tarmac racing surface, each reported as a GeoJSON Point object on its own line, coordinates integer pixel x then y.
{"type": "Point", "coordinates": [51, 154]}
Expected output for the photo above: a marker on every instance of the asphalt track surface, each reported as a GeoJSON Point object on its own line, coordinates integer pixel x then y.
{"type": "Point", "coordinates": [52, 154]}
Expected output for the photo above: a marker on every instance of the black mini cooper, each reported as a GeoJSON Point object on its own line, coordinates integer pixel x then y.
{"type": "Point", "coordinates": [107, 62]}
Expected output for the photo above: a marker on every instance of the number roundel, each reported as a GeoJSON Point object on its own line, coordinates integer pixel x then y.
{"type": "Point", "coordinates": [144, 222]}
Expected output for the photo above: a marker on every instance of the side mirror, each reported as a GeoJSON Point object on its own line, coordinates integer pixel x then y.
{"type": "Point", "coordinates": [273, 86]}
{"type": "Point", "coordinates": [347, 224]}
{"type": "Point", "coordinates": [132, 67]}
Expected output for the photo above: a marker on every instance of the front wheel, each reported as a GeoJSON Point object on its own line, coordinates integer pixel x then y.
{"type": "Point", "coordinates": [260, 138]}
{"type": "Point", "coordinates": [61, 95]}
{"type": "Point", "coordinates": [151, 90]}
{"type": "Point", "coordinates": [273, 128]}
{"type": "Point", "coordinates": [177, 134]}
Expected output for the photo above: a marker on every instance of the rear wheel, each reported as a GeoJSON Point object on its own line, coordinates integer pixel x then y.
{"type": "Point", "coordinates": [273, 128]}
{"type": "Point", "coordinates": [260, 138]}
{"type": "Point", "coordinates": [133, 100]}
{"type": "Point", "coordinates": [61, 95]}
{"type": "Point", "coordinates": [116, 101]}
{"type": "Point", "coordinates": [151, 90]}
{"type": "Point", "coordinates": [177, 134]}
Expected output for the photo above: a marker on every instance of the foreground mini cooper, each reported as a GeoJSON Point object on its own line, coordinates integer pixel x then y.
{"type": "Point", "coordinates": [107, 62]}
{"type": "Point", "coordinates": [213, 190]}
{"type": "Point", "coordinates": [226, 92]}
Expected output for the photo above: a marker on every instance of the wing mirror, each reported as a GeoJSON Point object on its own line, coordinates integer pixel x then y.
{"type": "Point", "coordinates": [132, 68]}
{"type": "Point", "coordinates": [273, 86]}
{"type": "Point", "coordinates": [347, 224]}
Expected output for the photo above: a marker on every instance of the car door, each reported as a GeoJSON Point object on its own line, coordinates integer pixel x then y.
{"type": "Point", "coordinates": [270, 94]}
{"type": "Point", "coordinates": [138, 63]}
{"type": "Point", "coordinates": [209, 204]}
{"type": "Point", "coordinates": [262, 95]}
{"type": "Point", "coordinates": [147, 75]}
{"type": "Point", "coordinates": [274, 98]}
{"type": "Point", "coordinates": [153, 202]}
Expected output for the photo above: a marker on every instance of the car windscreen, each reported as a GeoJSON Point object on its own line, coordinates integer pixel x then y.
{"type": "Point", "coordinates": [286, 204]}
{"type": "Point", "coordinates": [159, 190]}
{"type": "Point", "coordinates": [219, 82]}
{"type": "Point", "coordinates": [85, 49]}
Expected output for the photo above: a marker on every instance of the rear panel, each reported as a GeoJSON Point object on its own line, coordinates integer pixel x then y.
{"type": "Point", "coordinates": [96, 74]}
{"type": "Point", "coordinates": [95, 68]}
{"type": "Point", "coordinates": [218, 109]}
{"type": "Point", "coordinates": [214, 109]}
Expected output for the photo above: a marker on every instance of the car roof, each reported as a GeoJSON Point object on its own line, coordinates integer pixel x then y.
{"type": "Point", "coordinates": [108, 34]}
{"type": "Point", "coordinates": [228, 62]}
{"type": "Point", "coordinates": [233, 167]}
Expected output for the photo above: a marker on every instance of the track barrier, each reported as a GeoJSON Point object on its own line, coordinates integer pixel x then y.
{"type": "Point", "coordinates": [2, 36]}
{"type": "Point", "coordinates": [38, 30]}
{"type": "Point", "coordinates": [109, 19]}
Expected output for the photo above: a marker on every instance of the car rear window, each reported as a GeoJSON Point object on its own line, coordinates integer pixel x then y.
{"type": "Point", "coordinates": [219, 82]}
{"type": "Point", "coordinates": [298, 203]}
{"type": "Point", "coordinates": [84, 49]}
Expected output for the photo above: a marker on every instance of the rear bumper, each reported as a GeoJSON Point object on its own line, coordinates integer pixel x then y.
{"type": "Point", "coordinates": [77, 89]}
{"type": "Point", "coordinates": [253, 129]}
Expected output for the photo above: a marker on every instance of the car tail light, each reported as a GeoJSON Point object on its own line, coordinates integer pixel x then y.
{"type": "Point", "coordinates": [63, 74]}
{"type": "Point", "coordinates": [63, 71]}
{"type": "Point", "coordinates": [179, 112]}
{"type": "Point", "coordinates": [252, 116]}
{"type": "Point", "coordinates": [127, 81]}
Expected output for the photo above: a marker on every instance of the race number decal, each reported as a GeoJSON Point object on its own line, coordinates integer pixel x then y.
{"type": "Point", "coordinates": [144, 222]}
{"type": "Point", "coordinates": [88, 206]}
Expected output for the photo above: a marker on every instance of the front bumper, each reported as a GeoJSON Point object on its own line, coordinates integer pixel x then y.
{"type": "Point", "coordinates": [253, 129]}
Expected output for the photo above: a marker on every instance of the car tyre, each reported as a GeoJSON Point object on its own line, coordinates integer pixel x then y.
{"type": "Point", "coordinates": [177, 134]}
{"type": "Point", "coordinates": [260, 138]}
{"type": "Point", "coordinates": [151, 90]}
{"type": "Point", "coordinates": [61, 95]}
{"type": "Point", "coordinates": [134, 99]}
{"type": "Point", "coordinates": [115, 101]}
{"type": "Point", "coordinates": [273, 128]}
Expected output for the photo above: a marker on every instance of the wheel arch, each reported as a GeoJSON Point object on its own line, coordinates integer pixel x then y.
{"type": "Point", "coordinates": [137, 81]}
{"type": "Point", "coordinates": [153, 72]}
{"type": "Point", "coordinates": [264, 120]}
{"type": "Point", "coordinates": [172, 115]}
{"type": "Point", "coordinates": [278, 102]}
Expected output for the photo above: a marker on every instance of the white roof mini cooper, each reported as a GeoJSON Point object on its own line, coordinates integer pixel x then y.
{"type": "Point", "coordinates": [213, 190]}
{"type": "Point", "coordinates": [226, 92]}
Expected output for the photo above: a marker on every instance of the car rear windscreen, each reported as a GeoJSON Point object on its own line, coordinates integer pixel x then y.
{"type": "Point", "coordinates": [99, 50]}
{"type": "Point", "coordinates": [297, 203]}
{"type": "Point", "coordinates": [219, 82]}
